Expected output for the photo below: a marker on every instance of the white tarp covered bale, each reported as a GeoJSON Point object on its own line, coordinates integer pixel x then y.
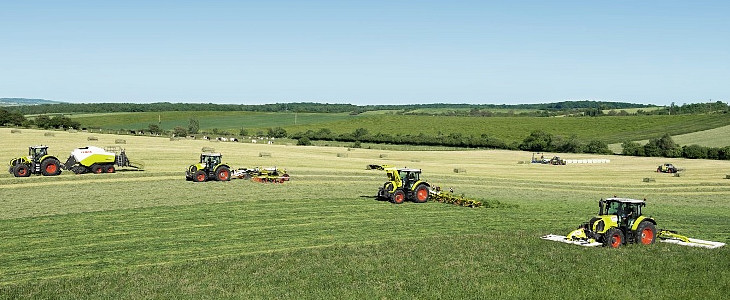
{"type": "Point", "coordinates": [587, 161]}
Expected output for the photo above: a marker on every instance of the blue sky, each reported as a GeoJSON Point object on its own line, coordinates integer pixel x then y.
{"type": "Point", "coordinates": [366, 52]}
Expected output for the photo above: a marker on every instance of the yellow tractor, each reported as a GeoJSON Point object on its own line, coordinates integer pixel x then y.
{"type": "Point", "coordinates": [619, 222]}
{"type": "Point", "coordinates": [37, 162]}
{"type": "Point", "coordinates": [209, 167]}
{"type": "Point", "coordinates": [404, 184]}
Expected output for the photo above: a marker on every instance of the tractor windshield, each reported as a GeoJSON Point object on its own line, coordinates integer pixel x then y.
{"type": "Point", "coordinates": [210, 160]}
{"type": "Point", "coordinates": [38, 152]}
{"type": "Point", "coordinates": [613, 208]}
{"type": "Point", "coordinates": [409, 176]}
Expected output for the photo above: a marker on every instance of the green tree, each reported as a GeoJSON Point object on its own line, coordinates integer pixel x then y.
{"type": "Point", "coordinates": [243, 132]}
{"type": "Point", "coordinates": [193, 126]}
{"type": "Point", "coordinates": [277, 132]}
{"type": "Point", "coordinates": [154, 129]}
{"type": "Point", "coordinates": [304, 141]}
{"type": "Point", "coordinates": [537, 141]}
{"type": "Point", "coordinates": [179, 131]}
{"type": "Point", "coordinates": [596, 146]}
{"type": "Point", "coordinates": [632, 148]}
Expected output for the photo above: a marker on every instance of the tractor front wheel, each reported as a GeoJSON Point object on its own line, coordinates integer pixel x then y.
{"type": "Point", "coordinates": [223, 174]}
{"type": "Point", "coordinates": [613, 238]}
{"type": "Point", "coordinates": [646, 233]}
{"type": "Point", "coordinates": [422, 194]}
{"type": "Point", "coordinates": [398, 197]}
{"type": "Point", "coordinates": [50, 167]}
{"type": "Point", "coordinates": [21, 170]}
{"type": "Point", "coordinates": [200, 176]}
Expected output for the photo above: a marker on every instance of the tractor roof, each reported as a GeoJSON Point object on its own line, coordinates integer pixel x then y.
{"type": "Point", "coordinates": [409, 170]}
{"type": "Point", "coordinates": [39, 146]}
{"type": "Point", "coordinates": [210, 154]}
{"type": "Point", "coordinates": [625, 200]}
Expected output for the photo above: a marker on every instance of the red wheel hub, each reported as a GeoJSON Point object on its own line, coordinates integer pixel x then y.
{"type": "Point", "coordinates": [51, 169]}
{"type": "Point", "coordinates": [223, 175]}
{"type": "Point", "coordinates": [422, 194]}
{"type": "Point", "coordinates": [647, 235]}
{"type": "Point", "coordinates": [201, 177]}
{"type": "Point", "coordinates": [615, 241]}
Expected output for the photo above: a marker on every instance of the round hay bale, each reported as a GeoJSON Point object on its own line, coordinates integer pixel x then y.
{"type": "Point", "coordinates": [264, 154]}
{"type": "Point", "coordinates": [207, 149]}
{"type": "Point", "coordinates": [341, 154]}
{"type": "Point", "coordinates": [383, 155]}
{"type": "Point", "coordinates": [647, 179]}
{"type": "Point", "coordinates": [727, 176]}
{"type": "Point", "coordinates": [459, 170]}
{"type": "Point", "coordinates": [15, 131]}
{"type": "Point", "coordinates": [120, 141]}
{"type": "Point", "coordinates": [92, 138]}
{"type": "Point", "coordinates": [676, 175]}
{"type": "Point", "coordinates": [49, 134]}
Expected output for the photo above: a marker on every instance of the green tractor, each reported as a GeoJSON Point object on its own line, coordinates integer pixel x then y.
{"type": "Point", "coordinates": [404, 184]}
{"type": "Point", "coordinates": [210, 167]}
{"type": "Point", "coordinates": [619, 222]}
{"type": "Point", "coordinates": [37, 162]}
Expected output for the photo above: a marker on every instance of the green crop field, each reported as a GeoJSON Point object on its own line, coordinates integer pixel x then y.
{"type": "Point", "coordinates": [152, 234]}
{"type": "Point", "coordinates": [228, 120]}
{"type": "Point", "coordinates": [510, 129]}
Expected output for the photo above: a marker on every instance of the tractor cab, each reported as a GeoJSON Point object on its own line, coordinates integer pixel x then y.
{"type": "Point", "coordinates": [409, 177]}
{"type": "Point", "coordinates": [626, 210]}
{"type": "Point", "coordinates": [210, 160]}
{"type": "Point", "coordinates": [35, 153]}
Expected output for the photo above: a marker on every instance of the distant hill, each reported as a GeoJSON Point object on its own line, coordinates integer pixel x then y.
{"type": "Point", "coordinates": [25, 101]}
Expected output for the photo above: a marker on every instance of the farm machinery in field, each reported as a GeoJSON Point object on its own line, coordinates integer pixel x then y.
{"type": "Point", "coordinates": [98, 160]}
{"type": "Point", "coordinates": [667, 168]}
{"type": "Point", "coordinates": [38, 161]}
{"type": "Point", "coordinates": [86, 159]}
{"type": "Point", "coordinates": [210, 167]}
{"type": "Point", "coordinates": [405, 184]}
{"type": "Point", "coordinates": [619, 222]}
{"type": "Point", "coordinates": [264, 175]}
{"type": "Point", "coordinates": [556, 160]}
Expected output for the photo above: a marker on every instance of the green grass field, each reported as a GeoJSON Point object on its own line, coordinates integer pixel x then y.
{"type": "Point", "coordinates": [515, 129]}
{"type": "Point", "coordinates": [509, 129]}
{"type": "Point", "coordinates": [229, 120]}
{"type": "Point", "coordinates": [152, 234]}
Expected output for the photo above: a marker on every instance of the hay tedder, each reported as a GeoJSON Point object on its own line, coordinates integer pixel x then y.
{"type": "Point", "coordinates": [264, 175]}
{"type": "Point", "coordinates": [619, 222]}
{"type": "Point", "coordinates": [405, 184]}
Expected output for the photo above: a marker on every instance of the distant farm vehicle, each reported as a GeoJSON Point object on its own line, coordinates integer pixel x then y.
{"type": "Point", "coordinates": [557, 161]}
{"type": "Point", "coordinates": [210, 167]}
{"type": "Point", "coordinates": [264, 175]}
{"type": "Point", "coordinates": [619, 222]}
{"type": "Point", "coordinates": [37, 162]}
{"type": "Point", "coordinates": [98, 160]}
{"type": "Point", "coordinates": [404, 184]}
{"type": "Point", "coordinates": [667, 168]}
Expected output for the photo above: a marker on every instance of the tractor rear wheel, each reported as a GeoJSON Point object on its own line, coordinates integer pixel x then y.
{"type": "Point", "coordinates": [109, 169]}
{"type": "Point", "coordinates": [50, 167]}
{"type": "Point", "coordinates": [646, 233]}
{"type": "Point", "coordinates": [96, 169]}
{"type": "Point", "coordinates": [200, 176]}
{"type": "Point", "coordinates": [421, 193]}
{"type": "Point", "coordinates": [613, 238]}
{"type": "Point", "coordinates": [223, 174]}
{"type": "Point", "coordinates": [398, 197]}
{"type": "Point", "coordinates": [21, 170]}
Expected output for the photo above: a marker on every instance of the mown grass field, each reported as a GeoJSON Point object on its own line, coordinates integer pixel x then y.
{"type": "Point", "coordinates": [152, 234]}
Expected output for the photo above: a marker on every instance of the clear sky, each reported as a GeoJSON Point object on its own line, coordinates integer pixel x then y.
{"type": "Point", "coordinates": [366, 52]}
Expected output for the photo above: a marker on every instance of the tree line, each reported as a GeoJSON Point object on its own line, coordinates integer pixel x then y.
{"type": "Point", "coordinates": [13, 118]}
{"type": "Point", "coordinates": [310, 107]}
{"type": "Point", "coordinates": [666, 147]}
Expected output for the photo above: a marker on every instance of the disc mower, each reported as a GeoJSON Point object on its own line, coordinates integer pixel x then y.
{"type": "Point", "coordinates": [619, 222]}
{"type": "Point", "coordinates": [37, 162]}
{"type": "Point", "coordinates": [210, 167]}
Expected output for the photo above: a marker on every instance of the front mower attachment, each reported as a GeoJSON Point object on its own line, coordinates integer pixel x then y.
{"type": "Point", "coordinates": [565, 239]}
